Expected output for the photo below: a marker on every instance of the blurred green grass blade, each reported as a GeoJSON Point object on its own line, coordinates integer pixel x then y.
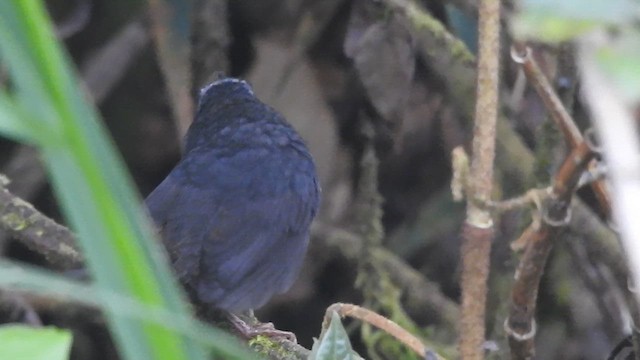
{"type": "Point", "coordinates": [19, 277]}
{"type": "Point", "coordinates": [89, 196]}
{"type": "Point", "coordinates": [27, 342]}
{"type": "Point", "coordinates": [92, 186]}
{"type": "Point", "coordinates": [10, 121]}
{"type": "Point", "coordinates": [27, 85]}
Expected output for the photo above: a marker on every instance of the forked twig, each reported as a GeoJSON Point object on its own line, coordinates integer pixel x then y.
{"type": "Point", "coordinates": [538, 240]}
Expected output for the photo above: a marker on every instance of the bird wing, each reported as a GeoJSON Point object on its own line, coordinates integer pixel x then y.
{"type": "Point", "coordinates": [236, 223]}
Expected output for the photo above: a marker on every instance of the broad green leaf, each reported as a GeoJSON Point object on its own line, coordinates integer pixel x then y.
{"type": "Point", "coordinates": [30, 343]}
{"type": "Point", "coordinates": [334, 343]}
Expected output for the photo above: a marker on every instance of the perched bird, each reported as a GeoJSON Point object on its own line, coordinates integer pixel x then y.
{"type": "Point", "coordinates": [234, 213]}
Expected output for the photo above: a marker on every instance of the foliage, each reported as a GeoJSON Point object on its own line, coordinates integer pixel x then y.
{"type": "Point", "coordinates": [617, 42]}
{"type": "Point", "coordinates": [334, 343]}
{"type": "Point", "coordinates": [24, 342]}
{"type": "Point", "coordinates": [46, 107]}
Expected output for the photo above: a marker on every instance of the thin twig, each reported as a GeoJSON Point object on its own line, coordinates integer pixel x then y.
{"type": "Point", "coordinates": [478, 232]}
{"type": "Point", "coordinates": [522, 55]}
{"type": "Point", "coordinates": [382, 323]}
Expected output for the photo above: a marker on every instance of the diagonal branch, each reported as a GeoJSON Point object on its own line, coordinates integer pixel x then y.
{"type": "Point", "coordinates": [38, 232]}
{"type": "Point", "coordinates": [539, 239]}
{"type": "Point", "coordinates": [522, 55]}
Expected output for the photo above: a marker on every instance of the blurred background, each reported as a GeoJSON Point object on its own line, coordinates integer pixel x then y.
{"type": "Point", "coordinates": [335, 68]}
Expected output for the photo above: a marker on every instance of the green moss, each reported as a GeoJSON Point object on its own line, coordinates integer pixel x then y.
{"type": "Point", "coordinates": [14, 221]}
{"type": "Point", "coordinates": [458, 50]}
{"type": "Point", "coordinates": [267, 348]}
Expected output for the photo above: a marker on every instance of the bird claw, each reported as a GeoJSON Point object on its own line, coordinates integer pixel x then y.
{"type": "Point", "coordinates": [249, 331]}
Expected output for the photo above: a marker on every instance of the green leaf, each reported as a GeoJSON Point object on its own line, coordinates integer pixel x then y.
{"type": "Point", "coordinates": [620, 62]}
{"type": "Point", "coordinates": [18, 124]}
{"type": "Point", "coordinates": [29, 343]}
{"type": "Point", "coordinates": [10, 122]}
{"type": "Point", "coordinates": [600, 11]}
{"type": "Point", "coordinates": [91, 183]}
{"type": "Point", "coordinates": [555, 21]}
{"type": "Point", "coordinates": [334, 343]}
{"type": "Point", "coordinates": [25, 278]}
{"type": "Point", "coordinates": [549, 28]}
{"type": "Point", "coordinates": [29, 90]}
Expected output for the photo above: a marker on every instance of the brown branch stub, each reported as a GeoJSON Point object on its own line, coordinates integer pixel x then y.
{"type": "Point", "coordinates": [379, 321]}
{"type": "Point", "coordinates": [38, 232]}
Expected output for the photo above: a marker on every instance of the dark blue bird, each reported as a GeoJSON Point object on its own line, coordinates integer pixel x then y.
{"type": "Point", "coordinates": [235, 212]}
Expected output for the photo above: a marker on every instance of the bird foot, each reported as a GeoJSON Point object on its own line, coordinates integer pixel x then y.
{"type": "Point", "coordinates": [249, 331]}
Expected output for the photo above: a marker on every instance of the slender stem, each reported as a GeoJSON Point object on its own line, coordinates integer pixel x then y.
{"type": "Point", "coordinates": [382, 323]}
{"type": "Point", "coordinates": [478, 231]}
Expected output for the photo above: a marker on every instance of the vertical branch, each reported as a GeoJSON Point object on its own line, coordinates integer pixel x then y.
{"type": "Point", "coordinates": [478, 231]}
